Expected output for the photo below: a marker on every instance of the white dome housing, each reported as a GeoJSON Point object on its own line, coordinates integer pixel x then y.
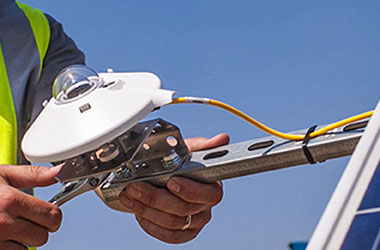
{"type": "Point", "coordinates": [73, 82]}
{"type": "Point", "coordinates": [88, 110]}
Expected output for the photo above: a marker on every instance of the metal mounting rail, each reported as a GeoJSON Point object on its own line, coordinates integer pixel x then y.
{"type": "Point", "coordinates": [252, 157]}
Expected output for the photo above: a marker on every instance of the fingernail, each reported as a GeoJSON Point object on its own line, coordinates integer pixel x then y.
{"type": "Point", "coordinates": [126, 202]}
{"type": "Point", "coordinates": [174, 186]}
{"type": "Point", "coordinates": [133, 192]}
{"type": "Point", "coordinates": [54, 168]}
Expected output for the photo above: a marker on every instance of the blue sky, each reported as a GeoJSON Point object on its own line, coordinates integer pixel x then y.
{"type": "Point", "coordinates": [290, 64]}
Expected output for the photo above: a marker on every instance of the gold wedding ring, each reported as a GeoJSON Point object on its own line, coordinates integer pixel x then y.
{"type": "Point", "coordinates": [187, 222]}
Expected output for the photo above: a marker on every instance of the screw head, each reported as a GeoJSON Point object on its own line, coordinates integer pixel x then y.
{"type": "Point", "coordinates": [94, 182]}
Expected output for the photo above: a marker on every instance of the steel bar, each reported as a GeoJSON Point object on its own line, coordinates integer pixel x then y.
{"type": "Point", "coordinates": [252, 157]}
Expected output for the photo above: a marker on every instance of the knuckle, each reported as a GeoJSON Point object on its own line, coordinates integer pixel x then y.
{"type": "Point", "coordinates": [34, 171]}
{"type": "Point", "coordinates": [5, 223]}
{"type": "Point", "coordinates": [8, 200]}
{"type": "Point", "coordinates": [151, 199]}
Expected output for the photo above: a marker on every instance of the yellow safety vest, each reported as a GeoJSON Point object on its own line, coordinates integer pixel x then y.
{"type": "Point", "coordinates": [8, 121]}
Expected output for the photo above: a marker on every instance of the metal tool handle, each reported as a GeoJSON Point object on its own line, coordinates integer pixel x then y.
{"type": "Point", "coordinates": [72, 189]}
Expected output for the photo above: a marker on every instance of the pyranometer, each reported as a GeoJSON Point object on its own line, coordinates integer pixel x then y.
{"type": "Point", "coordinates": [88, 110]}
{"type": "Point", "coordinates": [91, 125]}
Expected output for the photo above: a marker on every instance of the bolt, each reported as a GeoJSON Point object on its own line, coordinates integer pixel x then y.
{"type": "Point", "coordinates": [94, 182]}
{"type": "Point", "coordinates": [171, 161]}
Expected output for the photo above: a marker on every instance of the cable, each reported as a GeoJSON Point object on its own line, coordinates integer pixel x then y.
{"type": "Point", "coordinates": [266, 129]}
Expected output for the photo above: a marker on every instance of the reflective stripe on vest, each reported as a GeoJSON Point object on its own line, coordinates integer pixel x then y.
{"type": "Point", "coordinates": [8, 124]}
{"type": "Point", "coordinates": [8, 119]}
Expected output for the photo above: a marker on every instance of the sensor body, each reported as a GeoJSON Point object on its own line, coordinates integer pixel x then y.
{"type": "Point", "coordinates": [88, 110]}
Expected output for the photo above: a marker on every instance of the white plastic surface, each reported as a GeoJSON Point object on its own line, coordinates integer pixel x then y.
{"type": "Point", "coordinates": [62, 131]}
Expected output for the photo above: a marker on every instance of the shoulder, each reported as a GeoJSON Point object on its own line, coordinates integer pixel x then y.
{"type": "Point", "coordinates": [60, 41]}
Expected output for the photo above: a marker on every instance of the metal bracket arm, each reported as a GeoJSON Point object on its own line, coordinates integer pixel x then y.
{"type": "Point", "coordinates": [249, 157]}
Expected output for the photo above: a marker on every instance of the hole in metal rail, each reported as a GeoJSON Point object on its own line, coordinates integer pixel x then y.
{"type": "Point", "coordinates": [355, 126]}
{"type": "Point", "coordinates": [171, 141]}
{"type": "Point", "coordinates": [216, 154]}
{"type": "Point", "coordinates": [261, 145]}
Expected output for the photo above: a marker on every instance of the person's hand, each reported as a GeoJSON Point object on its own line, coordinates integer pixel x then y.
{"type": "Point", "coordinates": [162, 213]}
{"type": "Point", "coordinates": [24, 219]}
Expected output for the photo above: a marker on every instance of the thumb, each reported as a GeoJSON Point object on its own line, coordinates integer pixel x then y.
{"type": "Point", "coordinates": [26, 176]}
{"type": "Point", "coordinates": [201, 143]}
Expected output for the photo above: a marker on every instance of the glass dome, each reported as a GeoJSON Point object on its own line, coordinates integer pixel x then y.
{"type": "Point", "coordinates": [74, 82]}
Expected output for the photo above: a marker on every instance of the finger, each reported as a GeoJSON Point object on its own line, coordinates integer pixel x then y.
{"type": "Point", "coordinates": [161, 199]}
{"type": "Point", "coordinates": [19, 204]}
{"type": "Point", "coordinates": [198, 221]}
{"type": "Point", "coordinates": [165, 220]}
{"type": "Point", "coordinates": [11, 245]}
{"type": "Point", "coordinates": [166, 235]}
{"type": "Point", "coordinates": [196, 192]}
{"type": "Point", "coordinates": [28, 233]}
{"type": "Point", "coordinates": [29, 176]}
{"type": "Point", "coordinates": [201, 143]}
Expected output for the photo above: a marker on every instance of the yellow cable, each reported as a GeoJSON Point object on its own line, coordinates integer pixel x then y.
{"type": "Point", "coordinates": [265, 128]}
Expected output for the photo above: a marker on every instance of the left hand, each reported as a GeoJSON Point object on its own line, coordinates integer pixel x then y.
{"type": "Point", "coordinates": [162, 212]}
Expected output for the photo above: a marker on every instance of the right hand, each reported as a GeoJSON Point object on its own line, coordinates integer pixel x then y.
{"type": "Point", "coordinates": [24, 219]}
